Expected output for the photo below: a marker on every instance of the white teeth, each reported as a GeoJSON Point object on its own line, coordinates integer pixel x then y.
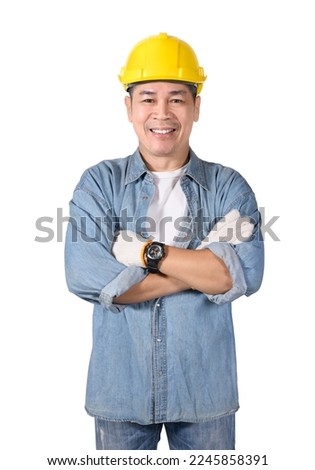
{"type": "Point", "coordinates": [162, 131]}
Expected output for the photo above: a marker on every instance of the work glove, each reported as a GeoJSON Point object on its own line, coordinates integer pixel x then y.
{"type": "Point", "coordinates": [128, 248]}
{"type": "Point", "coordinates": [232, 229]}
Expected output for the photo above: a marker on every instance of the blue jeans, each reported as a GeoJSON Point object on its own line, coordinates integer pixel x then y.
{"type": "Point", "coordinates": [218, 434]}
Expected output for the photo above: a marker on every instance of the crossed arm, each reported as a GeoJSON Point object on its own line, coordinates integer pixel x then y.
{"type": "Point", "coordinates": [180, 270]}
{"type": "Point", "coordinates": [183, 269]}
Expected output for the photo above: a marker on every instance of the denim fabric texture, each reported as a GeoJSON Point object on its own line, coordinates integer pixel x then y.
{"type": "Point", "coordinates": [217, 434]}
{"type": "Point", "coordinates": [171, 359]}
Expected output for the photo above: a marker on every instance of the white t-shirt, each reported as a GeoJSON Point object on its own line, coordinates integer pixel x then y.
{"type": "Point", "coordinates": [168, 206]}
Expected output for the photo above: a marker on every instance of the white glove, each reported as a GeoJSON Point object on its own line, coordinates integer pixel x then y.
{"type": "Point", "coordinates": [128, 248]}
{"type": "Point", "coordinates": [230, 229]}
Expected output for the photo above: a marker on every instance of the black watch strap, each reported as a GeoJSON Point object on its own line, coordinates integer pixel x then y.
{"type": "Point", "coordinates": [152, 268]}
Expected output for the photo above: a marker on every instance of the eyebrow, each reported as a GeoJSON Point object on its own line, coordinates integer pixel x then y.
{"type": "Point", "coordinates": [171, 93]}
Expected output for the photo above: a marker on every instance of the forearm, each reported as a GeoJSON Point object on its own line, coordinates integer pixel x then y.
{"type": "Point", "coordinates": [208, 271]}
{"type": "Point", "coordinates": [202, 270]}
{"type": "Point", "coordinates": [181, 270]}
{"type": "Point", "coordinates": [151, 287]}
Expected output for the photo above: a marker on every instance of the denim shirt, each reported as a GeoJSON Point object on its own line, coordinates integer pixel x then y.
{"type": "Point", "coordinates": [173, 358]}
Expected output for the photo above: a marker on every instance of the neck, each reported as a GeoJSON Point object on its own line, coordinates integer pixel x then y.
{"type": "Point", "coordinates": [164, 163]}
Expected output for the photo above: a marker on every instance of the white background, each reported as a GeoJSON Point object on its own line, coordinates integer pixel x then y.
{"type": "Point", "coordinates": [62, 111]}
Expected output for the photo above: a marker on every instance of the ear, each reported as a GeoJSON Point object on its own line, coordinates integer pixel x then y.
{"type": "Point", "coordinates": [197, 108]}
{"type": "Point", "coordinates": [128, 104]}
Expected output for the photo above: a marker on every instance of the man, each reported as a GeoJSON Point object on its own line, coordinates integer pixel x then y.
{"type": "Point", "coordinates": [162, 242]}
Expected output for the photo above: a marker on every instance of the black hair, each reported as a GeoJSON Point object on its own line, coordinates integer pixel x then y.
{"type": "Point", "coordinates": [192, 87]}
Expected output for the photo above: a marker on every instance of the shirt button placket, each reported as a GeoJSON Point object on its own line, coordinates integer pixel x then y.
{"type": "Point", "coordinates": [160, 362]}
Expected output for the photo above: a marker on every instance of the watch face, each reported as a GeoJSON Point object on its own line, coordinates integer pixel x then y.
{"type": "Point", "coordinates": [155, 252]}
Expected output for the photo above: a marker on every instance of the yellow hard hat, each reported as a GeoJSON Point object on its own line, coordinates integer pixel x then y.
{"type": "Point", "coordinates": [162, 57]}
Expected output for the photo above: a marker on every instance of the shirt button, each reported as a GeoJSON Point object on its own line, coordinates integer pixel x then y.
{"type": "Point", "coordinates": [158, 340]}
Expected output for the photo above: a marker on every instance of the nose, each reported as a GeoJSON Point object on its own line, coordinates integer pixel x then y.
{"type": "Point", "coordinates": [161, 110]}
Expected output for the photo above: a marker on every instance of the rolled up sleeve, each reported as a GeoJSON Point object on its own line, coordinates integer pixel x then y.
{"type": "Point", "coordinates": [89, 263]}
{"type": "Point", "coordinates": [225, 252]}
{"type": "Point", "coordinates": [245, 263]}
{"type": "Point", "coordinates": [126, 279]}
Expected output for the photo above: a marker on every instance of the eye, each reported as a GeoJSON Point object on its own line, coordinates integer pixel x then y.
{"type": "Point", "coordinates": [177, 100]}
{"type": "Point", "coordinates": [147, 100]}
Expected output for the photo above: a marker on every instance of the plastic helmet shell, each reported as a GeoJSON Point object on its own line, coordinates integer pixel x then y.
{"type": "Point", "coordinates": [162, 57]}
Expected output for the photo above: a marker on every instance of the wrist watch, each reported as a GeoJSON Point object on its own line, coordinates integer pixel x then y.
{"type": "Point", "coordinates": [153, 253]}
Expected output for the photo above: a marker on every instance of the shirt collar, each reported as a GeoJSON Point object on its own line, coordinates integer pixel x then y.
{"type": "Point", "coordinates": [195, 168]}
{"type": "Point", "coordinates": [136, 167]}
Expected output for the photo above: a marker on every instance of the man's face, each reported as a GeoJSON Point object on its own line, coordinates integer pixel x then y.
{"type": "Point", "coordinates": [162, 114]}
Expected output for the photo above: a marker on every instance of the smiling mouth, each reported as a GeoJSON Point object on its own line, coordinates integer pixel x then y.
{"type": "Point", "coordinates": [162, 131]}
